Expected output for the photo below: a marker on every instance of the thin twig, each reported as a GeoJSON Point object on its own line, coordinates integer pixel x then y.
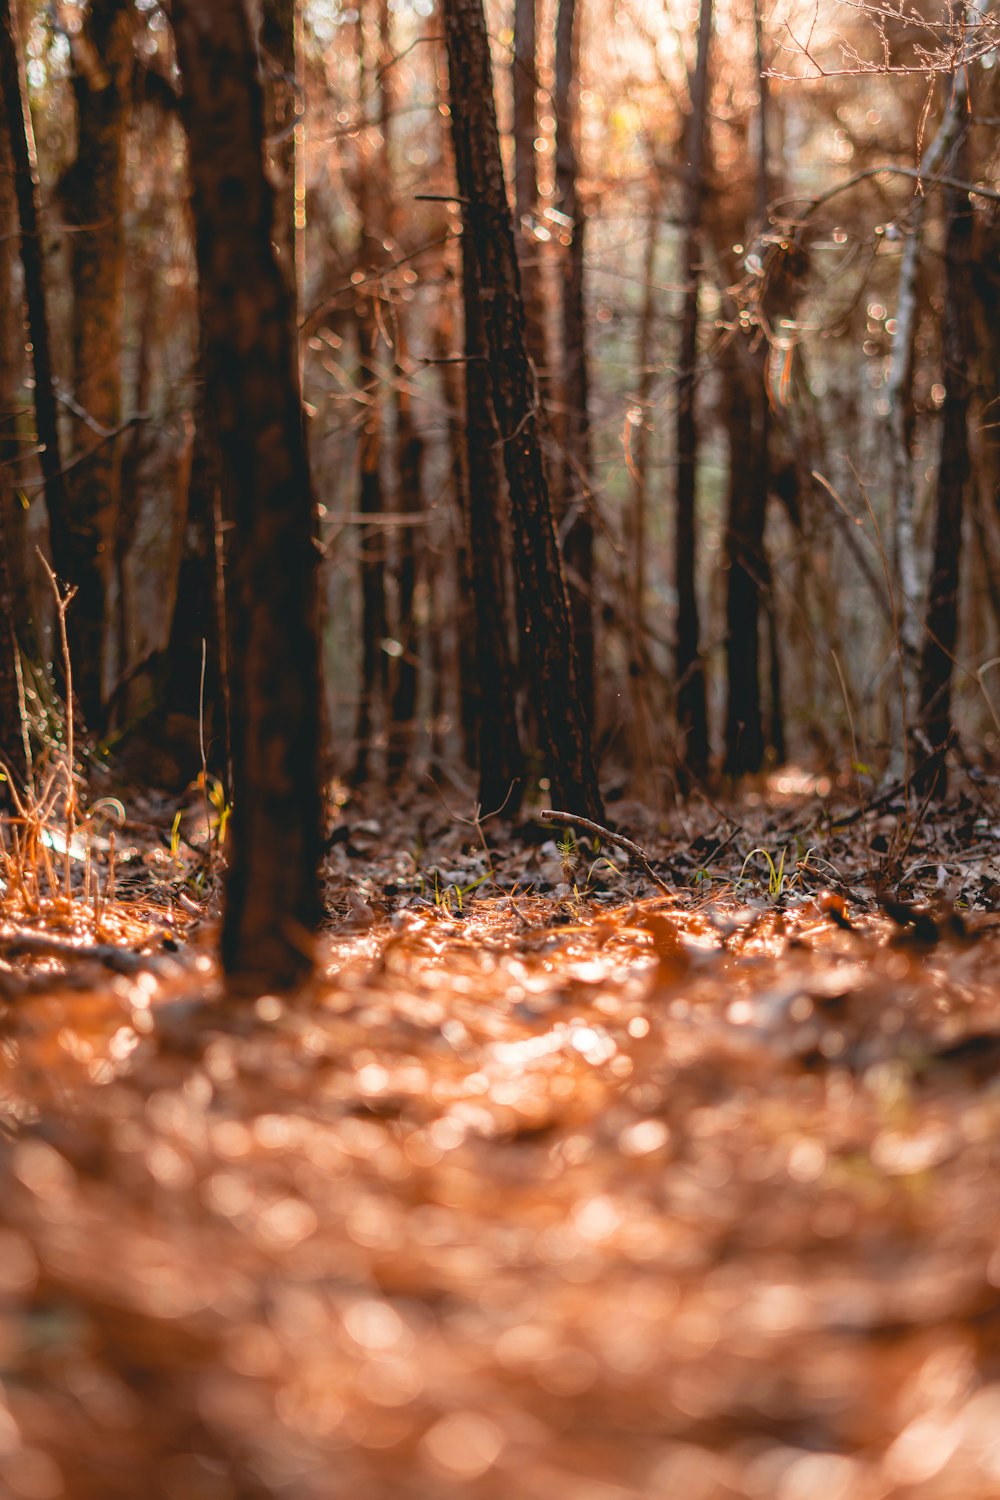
{"type": "Point", "coordinates": [573, 820]}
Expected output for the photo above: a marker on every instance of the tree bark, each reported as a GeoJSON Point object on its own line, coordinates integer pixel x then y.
{"type": "Point", "coordinates": [897, 392]}
{"type": "Point", "coordinates": [277, 55]}
{"type": "Point", "coordinates": [272, 895]}
{"type": "Point", "coordinates": [546, 624]}
{"type": "Point", "coordinates": [409, 491]}
{"type": "Point", "coordinates": [747, 403]}
{"type": "Point", "coordinates": [957, 343]}
{"type": "Point", "coordinates": [371, 190]}
{"type": "Point", "coordinates": [576, 463]}
{"type": "Point", "coordinates": [17, 122]}
{"type": "Point", "coordinates": [692, 711]}
{"type": "Point", "coordinates": [524, 80]}
{"type": "Point", "coordinates": [12, 748]}
{"type": "Point", "coordinates": [501, 760]}
{"type": "Point", "coordinates": [93, 194]}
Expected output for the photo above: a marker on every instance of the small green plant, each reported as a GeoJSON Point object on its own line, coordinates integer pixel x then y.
{"type": "Point", "coordinates": [776, 877]}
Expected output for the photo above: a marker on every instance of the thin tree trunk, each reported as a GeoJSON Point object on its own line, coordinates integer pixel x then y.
{"type": "Point", "coordinates": [409, 489]}
{"type": "Point", "coordinates": [272, 892]}
{"type": "Point", "coordinates": [576, 458]}
{"type": "Point", "coordinates": [897, 395]}
{"type": "Point", "coordinates": [93, 193]}
{"type": "Point", "coordinates": [941, 631]}
{"type": "Point", "coordinates": [501, 760]}
{"type": "Point", "coordinates": [546, 623]}
{"type": "Point", "coordinates": [743, 543]}
{"type": "Point", "coordinates": [277, 54]}
{"type": "Point", "coordinates": [469, 688]}
{"type": "Point", "coordinates": [748, 575]}
{"type": "Point", "coordinates": [12, 749]}
{"type": "Point", "coordinates": [524, 78]}
{"type": "Point", "coordinates": [17, 121]}
{"type": "Point", "coordinates": [692, 711]}
{"type": "Point", "coordinates": [371, 252]}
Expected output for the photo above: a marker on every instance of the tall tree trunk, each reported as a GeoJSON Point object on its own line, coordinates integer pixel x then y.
{"type": "Point", "coordinates": [12, 749]}
{"type": "Point", "coordinates": [941, 630]}
{"type": "Point", "coordinates": [272, 892]}
{"type": "Point", "coordinates": [93, 194]}
{"type": "Point", "coordinates": [501, 760]}
{"type": "Point", "coordinates": [692, 710]}
{"type": "Point", "coordinates": [524, 79]}
{"type": "Point", "coordinates": [576, 459]}
{"type": "Point", "coordinates": [897, 394]}
{"type": "Point", "coordinates": [747, 403]}
{"type": "Point", "coordinates": [277, 55]}
{"type": "Point", "coordinates": [17, 123]}
{"type": "Point", "coordinates": [371, 253]}
{"type": "Point", "coordinates": [748, 575]}
{"type": "Point", "coordinates": [546, 624]}
{"type": "Point", "coordinates": [469, 688]}
{"type": "Point", "coordinates": [409, 490]}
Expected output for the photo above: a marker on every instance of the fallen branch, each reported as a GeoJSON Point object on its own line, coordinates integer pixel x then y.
{"type": "Point", "coordinates": [573, 820]}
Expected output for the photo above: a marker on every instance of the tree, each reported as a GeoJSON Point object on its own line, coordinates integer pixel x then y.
{"type": "Point", "coordinates": [93, 196]}
{"type": "Point", "coordinates": [546, 625]}
{"type": "Point", "coordinates": [692, 711]}
{"type": "Point", "coordinates": [941, 629]}
{"type": "Point", "coordinates": [272, 896]}
{"type": "Point", "coordinates": [20, 135]}
{"type": "Point", "coordinates": [576, 460]}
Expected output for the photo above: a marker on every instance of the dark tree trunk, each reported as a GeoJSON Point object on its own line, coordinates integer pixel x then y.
{"type": "Point", "coordinates": [272, 892]}
{"type": "Point", "coordinates": [277, 55]}
{"type": "Point", "coordinates": [747, 570]}
{"type": "Point", "coordinates": [576, 466]}
{"type": "Point", "coordinates": [524, 80]}
{"type": "Point", "coordinates": [93, 194]}
{"type": "Point", "coordinates": [941, 625]}
{"type": "Point", "coordinates": [371, 253]}
{"type": "Point", "coordinates": [469, 694]}
{"type": "Point", "coordinates": [17, 122]}
{"type": "Point", "coordinates": [409, 489]}
{"type": "Point", "coordinates": [12, 750]}
{"type": "Point", "coordinates": [501, 760]}
{"type": "Point", "coordinates": [692, 711]}
{"type": "Point", "coordinates": [546, 624]}
{"type": "Point", "coordinates": [188, 714]}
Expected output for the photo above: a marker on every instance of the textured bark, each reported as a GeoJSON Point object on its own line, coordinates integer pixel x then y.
{"type": "Point", "coordinates": [409, 492]}
{"type": "Point", "coordinates": [272, 893]}
{"type": "Point", "coordinates": [546, 624]}
{"type": "Point", "coordinates": [524, 79]}
{"type": "Point", "coordinates": [501, 760]}
{"type": "Point", "coordinates": [93, 194]}
{"type": "Point", "coordinates": [371, 203]}
{"type": "Point", "coordinates": [576, 459]}
{"type": "Point", "coordinates": [898, 396]}
{"type": "Point", "coordinates": [747, 571]}
{"type": "Point", "coordinates": [277, 55]}
{"type": "Point", "coordinates": [185, 715]}
{"type": "Point", "coordinates": [11, 340]}
{"type": "Point", "coordinates": [17, 122]}
{"type": "Point", "coordinates": [469, 691]}
{"type": "Point", "coordinates": [692, 712]}
{"type": "Point", "coordinates": [941, 628]}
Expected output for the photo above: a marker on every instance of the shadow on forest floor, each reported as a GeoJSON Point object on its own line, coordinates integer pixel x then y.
{"type": "Point", "coordinates": [559, 1196]}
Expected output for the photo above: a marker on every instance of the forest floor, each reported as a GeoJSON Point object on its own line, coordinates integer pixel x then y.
{"type": "Point", "coordinates": [550, 1187]}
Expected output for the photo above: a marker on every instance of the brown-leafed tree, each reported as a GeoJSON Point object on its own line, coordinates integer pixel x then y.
{"type": "Point", "coordinates": [251, 392]}
{"type": "Point", "coordinates": [543, 607]}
